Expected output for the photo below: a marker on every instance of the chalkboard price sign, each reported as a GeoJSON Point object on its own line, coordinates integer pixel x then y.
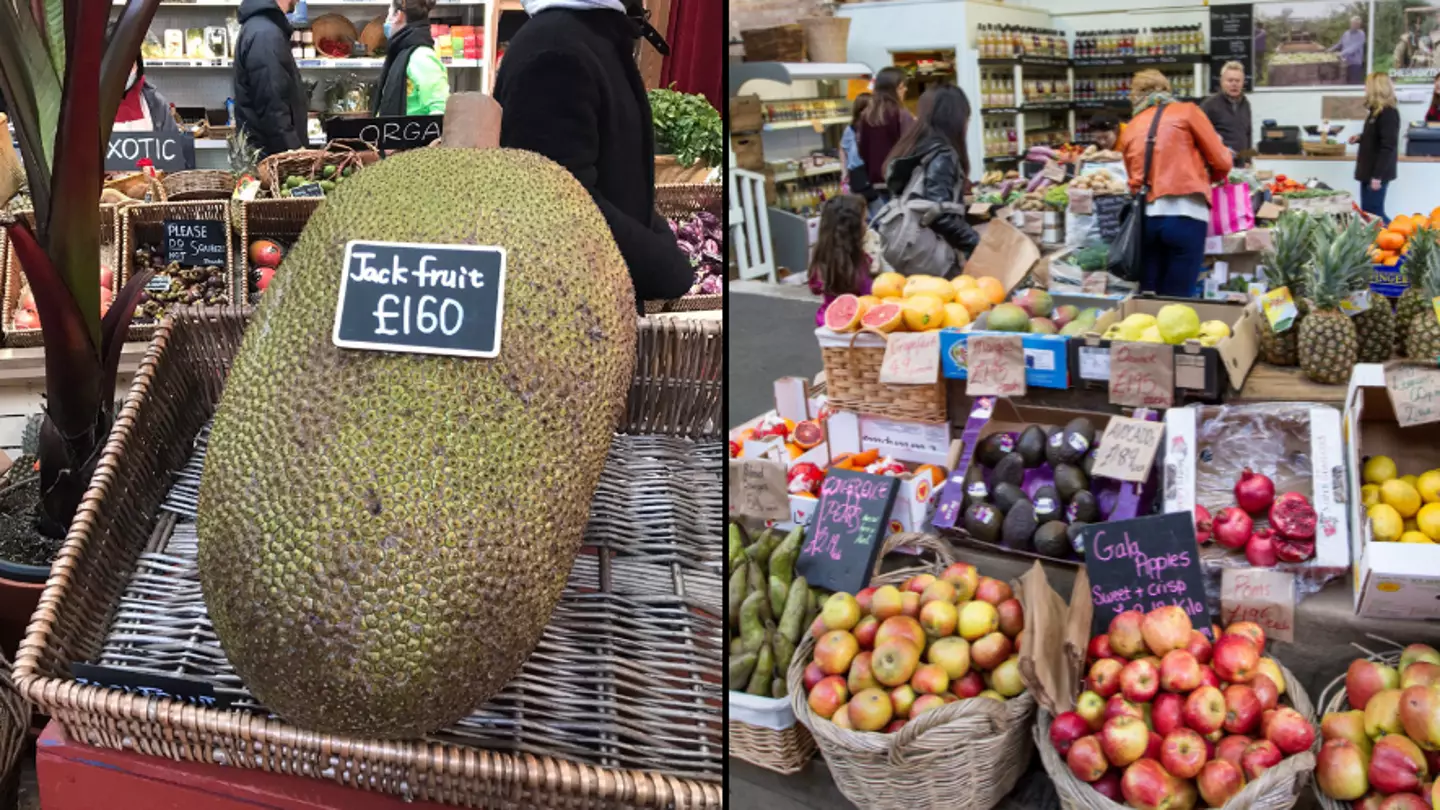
{"type": "Point", "coordinates": [187, 690]}
{"type": "Point", "coordinates": [390, 134]}
{"type": "Point", "coordinates": [196, 242]}
{"type": "Point", "coordinates": [425, 299]}
{"type": "Point", "coordinates": [1142, 564]}
{"type": "Point", "coordinates": [1232, 39]}
{"type": "Point", "coordinates": [844, 536]}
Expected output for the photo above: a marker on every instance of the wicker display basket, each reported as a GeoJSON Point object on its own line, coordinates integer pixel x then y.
{"type": "Point", "coordinates": [266, 219]}
{"type": "Point", "coordinates": [784, 752]}
{"type": "Point", "coordinates": [677, 202]}
{"type": "Point", "coordinates": [965, 755]}
{"type": "Point", "coordinates": [854, 376]}
{"type": "Point", "coordinates": [826, 38]}
{"type": "Point", "coordinates": [675, 393]}
{"type": "Point", "coordinates": [200, 184]}
{"type": "Point", "coordinates": [14, 276]}
{"type": "Point", "coordinates": [1276, 789]}
{"type": "Point", "coordinates": [308, 163]}
{"type": "Point", "coordinates": [144, 223]}
{"type": "Point", "coordinates": [782, 43]}
{"type": "Point", "coordinates": [1333, 699]}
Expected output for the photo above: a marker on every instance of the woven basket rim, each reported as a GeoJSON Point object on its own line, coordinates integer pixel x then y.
{"type": "Point", "coordinates": [1334, 699]}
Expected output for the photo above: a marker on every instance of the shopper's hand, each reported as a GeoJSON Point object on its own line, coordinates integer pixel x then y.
{"type": "Point", "coordinates": [1375, 185]}
{"type": "Point", "coordinates": [1354, 139]}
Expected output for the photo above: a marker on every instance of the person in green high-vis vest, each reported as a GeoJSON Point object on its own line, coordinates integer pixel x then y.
{"type": "Point", "coordinates": [413, 80]}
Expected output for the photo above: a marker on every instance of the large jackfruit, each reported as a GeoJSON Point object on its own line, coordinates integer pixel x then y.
{"type": "Point", "coordinates": [383, 536]}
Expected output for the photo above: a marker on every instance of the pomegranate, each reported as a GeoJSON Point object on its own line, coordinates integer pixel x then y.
{"type": "Point", "coordinates": [804, 479]}
{"type": "Point", "coordinates": [1260, 551]}
{"type": "Point", "coordinates": [1293, 551]}
{"type": "Point", "coordinates": [1255, 492]}
{"type": "Point", "coordinates": [1203, 524]}
{"type": "Point", "coordinates": [1293, 517]}
{"type": "Point", "coordinates": [1232, 528]}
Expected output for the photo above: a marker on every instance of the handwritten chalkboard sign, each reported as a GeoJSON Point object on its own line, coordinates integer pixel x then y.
{"type": "Point", "coordinates": [169, 152]}
{"type": "Point", "coordinates": [1142, 564]}
{"type": "Point", "coordinates": [1108, 208]}
{"type": "Point", "coordinates": [1232, 39]}
{"type": "Point", "coordinates": [187, 690]}
{"type": "Point", "coordinates": [196, 242]}
{"type": "Point", "coordinates": [307, 190]}
{"type": "Point", "coordinates": [844, 536]}
{"type": "Point", "coordinates": [426, 299]}
{"type": "Point", "coordinates": [391, 134]}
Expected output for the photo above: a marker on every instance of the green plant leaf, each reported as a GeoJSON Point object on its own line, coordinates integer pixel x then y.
{"type": "Point", "coordinates": [33, 90]}
{"type": "Point", "coordinates": [54, 22]}
{"type": "Point", "coordinates": [687, 127]}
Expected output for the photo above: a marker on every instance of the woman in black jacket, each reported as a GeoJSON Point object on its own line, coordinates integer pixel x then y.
{"type": "Point", "coordinates": [1379, 145]}
{"type": "Point", "coordinates": [571, 91]}
{"type": "Point", "coordinates": [270, 103]}
{"type": "Point", "coordinates": [939, 136]}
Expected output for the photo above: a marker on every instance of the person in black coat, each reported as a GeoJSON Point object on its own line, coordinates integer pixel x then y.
{"type": "Point", "coordinates": [1375, 161]}
{"type": "Point", "coordinates": [270, 102]}
{"type": "Point", "coordinates": [940, 129]}
{"type": "Point", "coordinates": [571, 90]}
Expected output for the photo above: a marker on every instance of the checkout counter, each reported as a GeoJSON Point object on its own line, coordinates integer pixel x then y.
{"type": "Point", "coordinates": [1416, 187]}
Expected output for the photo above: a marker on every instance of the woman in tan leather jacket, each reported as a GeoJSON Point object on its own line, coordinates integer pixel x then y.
{"type": "Point", "coordinates": [1189, 158]}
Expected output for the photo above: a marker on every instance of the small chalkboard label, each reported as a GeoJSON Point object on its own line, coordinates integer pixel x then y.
{"type": "Point", "coordinates": [390, 134]}
{"type": "Point", "coordinates": [425, 299]}
{"type": "Point", "coordinates": [845, 535]}
{"type": "Point", "coordinates": [167, 151]}
{"type": "Point", "coordinates": [1142, 564]}
{"type": "Point", "coordinates": [307, 190]}
{"type": "Point", "coordinates": [196, 242]}
{"type": "Point", "coordinates": [186, 690]}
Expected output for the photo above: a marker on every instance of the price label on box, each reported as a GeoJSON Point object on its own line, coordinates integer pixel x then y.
{"type": "Point", "coordinates": [1142, 375]}
{"type": "Point", "coordinates": [911, 359]}
{"type": "Point", "coordinates": [995, 365]}
{"type": "Point", "coordinates": [1129, 449]}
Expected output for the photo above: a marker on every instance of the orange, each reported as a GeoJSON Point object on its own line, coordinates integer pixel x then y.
{"type": "Point", "coordinates": [1435, 214]}
{"type": "Point", "coordinates": [1403, 226]}
{"type": "Point", "coordinates": [924, 312]}
{"type": "Point", "coordinates": [794, 450]}
{"type": "Point", "coordinates": [1391, 261]}
{"type": "Point", "coordinates": [1390, 240]}
{"type": "Point", "coordinates": [888, 285]}
{"type": "Point", "coordinates": [975, 302]}
{"type": "Point", "coordinates": [956, 315]}
{"type": "Point", "coordinates": [963, 283]}
{"type": "Point", "coordinates": [992, 289]}
{"type": "Point", "coordinates": [936, 474]}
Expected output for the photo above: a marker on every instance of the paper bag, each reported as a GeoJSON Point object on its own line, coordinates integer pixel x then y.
{"type": "Point", "coordinates": [1004, 254]}
{"type": "Point", "coordinates": [1053, 634]}
{"type": "Point", "coordinates": [1230, 210]}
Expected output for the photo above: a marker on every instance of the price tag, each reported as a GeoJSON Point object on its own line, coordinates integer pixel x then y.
{"type": "Point", "coordinates": [1144, 563]}
{"type": "Point", "coordinates": [911, 359]}
{"type": "Point", "coordinates": [390, 134]}
{"type": "Point", "coordinates": [995, 366]}
{"type": "Point", "coordinates": [844, 536]}
{"type": "Point", "coordinates": [1142, 375]}
{"type": "Point", "coordinates": [1355, 303]}
{"type": "Point", "coordinates": [1414, 394]}
{"type": "Point", "coordinates": [1094, 363]}
{"type": "Point", "coordinates": [174, 687]}
{"type": "Point", "coordinates": [1261, 595]}
{"type": "Point", "coordinates": [196, 242]}
{"type": "Point", "coordinates": [1128, 449]}
{"type": "Point", "coordinates": [307, 190]}
{"type": "Point", "coordinates": [1279, 308]}
{"type": "Point", "coordinates": [1054, 171]}
{"type": "Point", "coordinates": [758, 490]}
{"type": "Point", "coordinates": [246, 190]}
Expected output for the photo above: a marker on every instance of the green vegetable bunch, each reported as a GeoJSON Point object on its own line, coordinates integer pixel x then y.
{"type": "Point", "coordinates": [1058, 196]}
{"type": "Point", "coordinates": [687, 127]}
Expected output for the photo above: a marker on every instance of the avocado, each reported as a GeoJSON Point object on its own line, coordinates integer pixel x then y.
{"type": "Point", "coordinates": [1019, 527]}
{"type": "Point", "coordinates": [1007, 495]}
{"type": "Point", "coordinates": [1087, 464]}
{"type": "Point", "coordinates": [994, 447]}
{"type": "Point", "coordinates": [1069, 480]}
{"type": "Point", "coordinates": [982, 521]}
{"type": "Point", "coordinates": [1011, 468]}
{"type": "Point", "coordinates": [1073, 533]}
{"type": "Point", "coordinates": [1031, 446]}
{"type": "Point", "coordinates": [1052, 541]}
{"type": "Point", "coordinates": [1079, 438]}
{"type": "Point", "coordinates": [975, 489]}
{"type": "Point", "coordinates": [1053, 443]}
{"type": "Point", "coordinates": [1048, 505]}
{"type": "Point", "coordinates": [1083, 507]}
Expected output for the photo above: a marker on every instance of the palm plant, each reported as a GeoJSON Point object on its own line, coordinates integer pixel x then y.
{"type": "Point", "coordinates": [63, 83]}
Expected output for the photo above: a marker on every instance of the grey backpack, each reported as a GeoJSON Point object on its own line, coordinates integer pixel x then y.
{"type": "Point", "coordinates": [904, 227]}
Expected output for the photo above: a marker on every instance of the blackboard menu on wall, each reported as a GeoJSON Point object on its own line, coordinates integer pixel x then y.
{"type": "Point", "coordinates": [1232, 39]}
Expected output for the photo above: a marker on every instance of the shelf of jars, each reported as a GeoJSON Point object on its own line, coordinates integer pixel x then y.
{"type": "Point", "coordinates": [1140, 46]}
{"type": "Point", "coordinates": [816, 113]}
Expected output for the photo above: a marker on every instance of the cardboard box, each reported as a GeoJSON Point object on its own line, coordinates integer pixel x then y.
{"type": "Point", "coordinates": [1391, 580]}
{"type": "Point", "coordinates": [1323, 483]}
{"type": "Point", "coordinates": [749, 152]}
{"type": "Point", "coordinates": [1046, 357]}
{"type": "Point", "coordinates": [1201, 372]}
{"type": "Point", "coordinates": [745, 114]}
{"type": "Point", "coordinates": [1390, 281]}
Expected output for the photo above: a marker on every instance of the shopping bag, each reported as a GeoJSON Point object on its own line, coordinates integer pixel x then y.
{"type": "Point", "coordinates": [1230, 210]}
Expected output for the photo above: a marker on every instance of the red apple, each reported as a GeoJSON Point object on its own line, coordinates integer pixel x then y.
{"type": "Point", "coordinates": [969, 685]}
{"type": "Point", "coordinates": [1146, 786]}
{"type": "Point", "coordinates": [1066, 729]}
{"type": "Point", "coordinates": [841, 717]}
{"type": "Point", "coordinates": [1109, 785]}
{"type": "Point", "coordinates": [1242, 709]}
{"type": "Point", "coordinates": [1199, 646]}
{"type": "Point", "coordinates": [863, 597]}
{"type": "Point", "coordinates": [1118, 706]}
{"type": "Point", "coordinates": [835, 650]}
{"type": "Point", "coordinates": [1290, 731]}
{"type": "Point", "coordinates": [870, 710]}
{"type": "Point", "coordinates": [952, 653]}
{"type": "Point", "coordinates": [1259, 757]}
{"type": "Point", "coordinates": [1126, 639]}
{"type": "Point", "coordinates": [993, 591]}
{"type": "Point", "coordinates": [925, 703]}
{"type": "Point", "coordinates": [1183, 753]}
{"type": "Point", "coordinates": [917, 584]}
{"type": "Point", "coordinates": [1232, 747]}
{"type": "Point", "coordinates": [989, 652]}
{"type": "Point", "coordinates": [910, 604]}
{"type": "Point", "coordinates": [1234, 658]}
{"type": "Point", "coordinates": [828, 695]}
{"type": "Point", "coordinates": [1091, 706]}
{"type": "Point", "coordinates": [1099, 648]}
{"type": "Point", "coordinates": [1341, 770]}
{"type": "Point", "coordinates": [1412, 653]}
{"type": "Point", "coordinates": [1396, 765]}
{"type": "Point", "coordinates": [1250, 630]}
{"type": "Point", "coordinates": [1012, 617]}
{"type": "Point", "coordinates": [964, 577]}
{"type": "Point", "coordinates": [894, 662]}
{"type": "Point", "coordinates": [1166, 713]}
{"type": "Point", "coordinates": [939, 617]}
{"type": "Point", "coordinates": [1266, 690]}
{"type": "Point", "coordinates": [1404, 801]}
{"type": "Point", "coordinates": [1105, 676]}
{"type": "Point", "coordinates": [901, 628]}
{"type": "Point", "coordinates": [1124, 740]}
{"type": "Point", "coordinates": [895, 725]}
{"type": "Point", "coordinates": [865, 631]}
{"type": "Point", "coordinates": [1218, 781]}
{"type": "Point", "coordinates": [938, 591]}
{"type": "Point", "coordinates": [1346, 726]}
{"type": "Point", "coordinates": [1180, 672]}
{"type": "Point", "coordinates": [861, 676]}
{"type": "Point", "coordinates": [813, 675]}
{"type": "Point", "coordinates": [1208, 676]}
{"type": "Point", "coordinates": [817, 627]}
{"type": "Point", "coordinates": [1370, 801]}
{"type": "Point", "coordinates": [1420, 673]}
{"type": "Point", "coordinates": [1139, 681]}
{"type": "Point", "coordinates": [1155, 747]}
{"type": "Point", "coordinates": [886, 602]}
{"type": "Point", "coordinates": [930, 679]}
{"type": "Point", "coordinates": [1205, 710]}
{"type": "Point", "coordinates": [1364, 678]}
{"type": "Point", "coordinates": [1166, 628]}
{"type": "Point", "coordinates": [1420, 712]}
{"type": "Point", "coordinates": [1086, 759]}
{"type": "Point", "coordinates": [902, 698]}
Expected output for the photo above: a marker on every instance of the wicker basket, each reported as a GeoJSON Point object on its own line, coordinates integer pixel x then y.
{"type": "Point", "coordinates": [266, 219]}
{"type": "Point", "coordinates": [674, 201]}
{"type": "Point", "coordinates": [201, 184]}
{"type": "Point", "coordinates": [308, 163]}
{"type": "Point", "coordinates": [784, 752]}
{"type": "Point", "coordinates": [669, 172]}
{"type": "Point", "coordinates": [854, 376]}
{"type": "Point", "coordinates": [965, 755]}
{"type": "Point", "coordinates": [14, 276]}
{"type": "Point", "coordinates": [826, 38]}
{"type": "Point", "coordinates": [144, 222]}
{"type": "Point", "coordinates": [783, 43]}
{"type": "Point", "coordinates": [1276, 789]}
{"type": "Point", "coordinates": [1322, 149]}
{"type": "Point", "coordinates": [1333, 699]}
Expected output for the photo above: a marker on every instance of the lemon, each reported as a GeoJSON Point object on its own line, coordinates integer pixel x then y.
{"type": "Point", "coordinates": [1385, 522]}
{"type": "Point", "coordinates": [1428, 520]}
{"type": "Point", "coordinates": [1411, 480]}
{"type": "Point", "coordinates": [1369, 495]}
{"type": "Point", "coordinates": [1402, 495]}
{"type": "Point", "coordinates": [1151, 334]}
{"type": "Point", "coordinates": [1378, 469]}
{"type": "Point", "coordinates": [1429, 486]}
{"type": "Point", "coordinates": [1212, 332]}
{"type": "Point", "coordinates": [1415, 537]}
{"type": "Point", "coordinates": [1178, 323]}
{"type": "Point", "coordinates": [1140, 319]}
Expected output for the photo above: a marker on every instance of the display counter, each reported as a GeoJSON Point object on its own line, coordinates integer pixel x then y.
{"type": "Point", "coordinates": [1412, 191]}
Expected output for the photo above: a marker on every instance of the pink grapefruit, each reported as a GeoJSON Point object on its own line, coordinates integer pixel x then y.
{"type": "Point", "coordinates": [843, 314]}
{"type": "Point", "coordinates": [885, 318]}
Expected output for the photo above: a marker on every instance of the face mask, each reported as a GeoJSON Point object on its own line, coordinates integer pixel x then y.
{"type": "Point", "coordinates": [387, 29]}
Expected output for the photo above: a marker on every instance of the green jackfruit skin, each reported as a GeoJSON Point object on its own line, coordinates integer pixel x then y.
{"type": "Point", "coordinates": [383, 536]}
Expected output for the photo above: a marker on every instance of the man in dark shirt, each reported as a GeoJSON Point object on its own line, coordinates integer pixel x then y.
{"type": "Point", "coordinates": [1229, 109]}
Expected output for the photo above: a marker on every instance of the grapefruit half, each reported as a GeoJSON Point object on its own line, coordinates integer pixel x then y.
{"type": "Point", "coordinates": [843, 314]}
{"type": "Point", "coordinates": [885, 318]}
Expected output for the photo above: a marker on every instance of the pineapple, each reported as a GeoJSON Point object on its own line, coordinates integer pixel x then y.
{"type": "Point", "coordinates": [1413, 300]}
{"type": "Point", "coordinates": [1328, 341]}
{"type": "Point", "coordinates": [1285, 267]}
{"type": "Point", "coordinates": [1422, 340]}
{"type": "Point", "coordinates": [244, 157]}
